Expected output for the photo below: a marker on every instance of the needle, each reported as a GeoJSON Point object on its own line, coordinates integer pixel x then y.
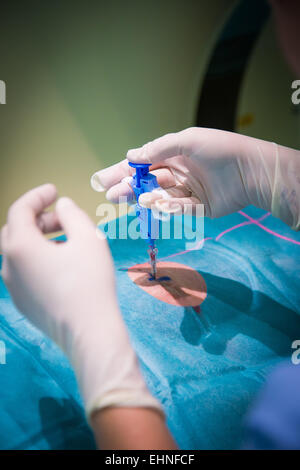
{"type": "Point", "coordinates": [152, 253]}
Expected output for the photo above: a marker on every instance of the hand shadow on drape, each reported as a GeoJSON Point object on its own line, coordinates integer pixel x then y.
{"type": "Point", "coordinates": [205, 327]}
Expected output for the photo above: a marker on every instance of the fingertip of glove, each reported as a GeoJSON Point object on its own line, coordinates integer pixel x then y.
{"type": "Point", "coordinates": [96, 183]}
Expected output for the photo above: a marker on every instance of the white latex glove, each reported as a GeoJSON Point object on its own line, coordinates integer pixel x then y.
{"type": "Point", "coordinates": [68, 291]}
{"type": "Point", "coordinates": [223, 170]}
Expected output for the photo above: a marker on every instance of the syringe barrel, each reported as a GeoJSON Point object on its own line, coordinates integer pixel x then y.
{"type": "Point", "coordinates": [144, 182]}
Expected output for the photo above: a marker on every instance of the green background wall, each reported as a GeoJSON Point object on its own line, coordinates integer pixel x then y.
{"type": "Point", "coordinates": [88, 80]}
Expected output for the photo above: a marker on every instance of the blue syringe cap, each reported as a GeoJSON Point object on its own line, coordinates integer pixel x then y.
{"type": "Point", "coordinates": [139, 165]}
{"type": "Point", "coordinates": [141, 169]}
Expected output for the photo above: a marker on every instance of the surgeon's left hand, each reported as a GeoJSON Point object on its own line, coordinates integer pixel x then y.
{"type": "Point", "coordinates": [68, 291]}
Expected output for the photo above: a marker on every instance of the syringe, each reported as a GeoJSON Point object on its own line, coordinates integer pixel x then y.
{"type": "Point", "coordinates": [143, 182]}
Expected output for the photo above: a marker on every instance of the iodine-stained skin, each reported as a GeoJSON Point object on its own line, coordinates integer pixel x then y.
{"type": "Point", "coordinates": [175, 283]}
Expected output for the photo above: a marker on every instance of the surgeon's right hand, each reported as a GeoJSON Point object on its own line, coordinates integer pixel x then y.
{"type": "Point", "coordinates": [223, 170]}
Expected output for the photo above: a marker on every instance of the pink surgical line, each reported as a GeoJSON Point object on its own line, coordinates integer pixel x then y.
{"type": "Point", "coordinates": [217, 238]}
{"type": "Point", "coordinates": [249, 222]}
{"type": "Point", "coordinates": [256, 222]}
{"type": "Point", "coordinates": [241, 225]}
{"type": "Point", "coordinates": [187, 251]}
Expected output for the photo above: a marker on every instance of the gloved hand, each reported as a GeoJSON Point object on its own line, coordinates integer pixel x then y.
{"type": "Point", "coordinates": [68, 291]}
{"type": "Point", "coordinates": [222, 170]}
